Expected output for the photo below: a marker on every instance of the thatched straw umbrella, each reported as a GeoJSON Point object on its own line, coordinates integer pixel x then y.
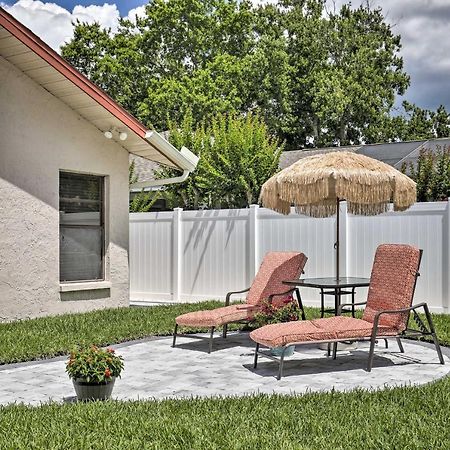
{"type": "Point", "coordinates": [316, 184]}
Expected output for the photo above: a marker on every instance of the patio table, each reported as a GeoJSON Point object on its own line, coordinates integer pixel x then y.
{"type": "Point", "coordinates": [332, 286]}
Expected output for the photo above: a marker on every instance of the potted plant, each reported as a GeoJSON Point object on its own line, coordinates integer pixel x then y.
{"type": "Point", "coordinates": [276, 311]}
{"type": "Point", "coordinates": [93, 371]}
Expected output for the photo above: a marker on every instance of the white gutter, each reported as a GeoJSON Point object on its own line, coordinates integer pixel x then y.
{"type": "Point", "coordinates": [183, 159]}
{"type": "Point", "coordinates": [158, 183]}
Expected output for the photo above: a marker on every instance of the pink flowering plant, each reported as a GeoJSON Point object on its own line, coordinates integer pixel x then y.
{"type": "Point", "coordinates": [277, 311]}
{"type": "Point", "coordinates": [94, 365]}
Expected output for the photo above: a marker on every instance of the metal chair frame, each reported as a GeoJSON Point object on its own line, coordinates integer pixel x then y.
{"type": "Point", "coordinates": [297, 298]}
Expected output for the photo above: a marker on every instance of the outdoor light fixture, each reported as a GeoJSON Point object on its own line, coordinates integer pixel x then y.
{"type": "Point", "coordinates": [109, 134]}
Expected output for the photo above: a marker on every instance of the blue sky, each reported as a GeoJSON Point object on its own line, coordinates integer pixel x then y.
{"type": "Point", "coordinates": [123, 6]}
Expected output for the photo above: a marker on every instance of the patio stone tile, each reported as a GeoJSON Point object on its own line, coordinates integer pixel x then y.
{"type": "Point", "coordinates": [155, 370]}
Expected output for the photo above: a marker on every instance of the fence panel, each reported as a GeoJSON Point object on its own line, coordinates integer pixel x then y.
{"type": "Point", "coordinates": [196, 255]}
{"type": "Point", "coordinates": [215, 253]}
{"type": "Point", "coordinates": [423, 225]}
{"type": "Point", "coordinates": [151, 256]}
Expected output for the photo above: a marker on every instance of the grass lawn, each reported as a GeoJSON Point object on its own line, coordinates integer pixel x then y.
{"type": "Point", "coordinates": [399, 418]}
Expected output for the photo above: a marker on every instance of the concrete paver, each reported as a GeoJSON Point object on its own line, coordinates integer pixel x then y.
{"type": "Point", "coordinates": [155, 370]}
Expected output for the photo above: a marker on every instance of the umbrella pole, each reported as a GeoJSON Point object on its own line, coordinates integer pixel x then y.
{"type": "Point", "coordinates": [336, 245]}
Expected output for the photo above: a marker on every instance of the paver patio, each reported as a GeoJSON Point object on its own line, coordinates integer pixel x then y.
{"type": "Point", "coordinates": [155, 370]}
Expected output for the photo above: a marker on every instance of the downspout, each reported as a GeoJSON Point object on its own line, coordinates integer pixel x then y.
{"type": "Point", "coordinates": [183, 159]}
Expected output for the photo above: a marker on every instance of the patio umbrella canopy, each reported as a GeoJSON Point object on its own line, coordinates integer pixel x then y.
{"type": "Point", "coordinates": [316, 184]}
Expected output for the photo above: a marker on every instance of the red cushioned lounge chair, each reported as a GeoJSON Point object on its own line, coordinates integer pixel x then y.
{"type": "Point", "coordinates": [388, 307]}
{"type": "Point", "coordinates": [276, 267]}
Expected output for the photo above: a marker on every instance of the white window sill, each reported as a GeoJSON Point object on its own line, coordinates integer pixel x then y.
{"type": "Point", "coordinates": [84, 286]}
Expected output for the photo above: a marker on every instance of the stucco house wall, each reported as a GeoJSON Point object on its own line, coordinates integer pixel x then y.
{"type": "Point", "coordinates": [39, 136]}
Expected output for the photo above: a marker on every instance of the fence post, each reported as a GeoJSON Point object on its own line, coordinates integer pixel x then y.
{"type": "Point", "coordinates": [446, 259]}
{"type": "Point", "coordinates": [254, 241]}
{"type": "Point", "coordinates": [343, 239]}
{"type": "Point", "coordinates": [177, 254]}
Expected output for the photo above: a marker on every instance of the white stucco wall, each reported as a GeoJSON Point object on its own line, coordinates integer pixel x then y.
{"type": "Point", "coordinates": [39, 136]}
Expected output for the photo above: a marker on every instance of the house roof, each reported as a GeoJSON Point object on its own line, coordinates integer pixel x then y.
{"type": "Point", "coordinates": [22, 48]}
{"type": "Point", "coordinates": [393, 153]}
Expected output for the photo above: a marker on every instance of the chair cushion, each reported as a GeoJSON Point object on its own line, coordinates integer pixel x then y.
{"type": "Point", "coordinates": [217, 317]}
{"type": "Point", "coordinates": [275, 268]}
{"type": "Point", "coordinates": [392, 283]}
{"type": "Point", "coordinates": [331, 328]}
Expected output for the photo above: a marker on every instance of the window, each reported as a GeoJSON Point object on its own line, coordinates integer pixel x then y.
{"type": "Point", "coordinates": [81, 227]}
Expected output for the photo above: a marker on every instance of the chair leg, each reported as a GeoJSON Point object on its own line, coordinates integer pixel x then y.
{"type": "Point", "coordinates": [300, 304]}
{"type": "Point", "coordinates": [211, 336]}
{"type": "Point", "coordinates": [255, 361]}
{"type": "Point", "coordinates": [371, 354]}
{"type": "Point", "coordinates": [433, 333]}
{"type": "Point", "coordinates": [335, 345]}
{"type": "Point", "coordinates": [322, 303]}
{"type": "Point", "coordinates": [386, 343]}
{"type": "Point", "coordinates": [280, 368]}
{"type": "Point", "coordinates": [224, 332]}
{"type": "Point", "coordinates": [175, 335]}
{"type": "Point", "coordinates": [438, 348]}
{"type": "Point", "coordinates": [400, 345]}
{"type": "Point", "coordinates": [353, 302]}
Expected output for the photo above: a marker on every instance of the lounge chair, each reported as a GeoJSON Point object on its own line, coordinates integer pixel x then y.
{"type": "Point", "coordinates": [387, 312]}
{"type": "Point", "coordinates": [276, 267]}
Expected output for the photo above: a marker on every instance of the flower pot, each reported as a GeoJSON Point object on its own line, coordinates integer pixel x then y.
{"type": "Point", "coordinates": [93, 391]}
{"type": "Point", "coordinates": [278, 351]}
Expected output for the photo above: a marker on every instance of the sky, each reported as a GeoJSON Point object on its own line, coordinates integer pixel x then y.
{"type": "Point", "coordinates": [422, 24]}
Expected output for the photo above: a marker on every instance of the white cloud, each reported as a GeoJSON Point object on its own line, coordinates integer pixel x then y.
{"type": "Point", "coordinates": [53, 24]}
{"type": "Point", "coordinates": [132, 13]}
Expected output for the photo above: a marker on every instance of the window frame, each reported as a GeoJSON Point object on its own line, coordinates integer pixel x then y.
{"type": "Point", "coordinates": [101, 226]}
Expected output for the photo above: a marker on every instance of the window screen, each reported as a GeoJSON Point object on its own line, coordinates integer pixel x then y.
{"type": "Point", "coordinates": [81, 225]}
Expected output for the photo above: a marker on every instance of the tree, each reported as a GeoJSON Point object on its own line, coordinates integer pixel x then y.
{"type": "Point", "coordinates": [346, 70]}
{"type": "Point", "coordinates": [414, 124]}
{"type": "Point", "coordinates": [432, 174]}
{"type": "Point", "coordinates": [237, 155]}
{"type": "Point", "coordinates": [205, 56]}
{"type": "Point", "coordinates": [307, 72]}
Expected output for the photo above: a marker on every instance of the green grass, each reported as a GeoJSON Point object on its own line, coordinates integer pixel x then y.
{"type": "Point", "coordinates": [52, 336]}
{"type": "Point", "coordinates": [399, 418]}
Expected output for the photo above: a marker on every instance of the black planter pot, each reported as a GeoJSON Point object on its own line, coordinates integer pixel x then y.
{"type": "Point", "coordinates": [93, 391]}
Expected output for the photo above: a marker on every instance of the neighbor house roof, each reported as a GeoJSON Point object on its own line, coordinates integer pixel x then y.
{"type": "Point", "coordinates": [290, 157]}
{"type": "Point", "coordinates": [394, 153]}
{"type": "Point", "coordinates": [22, 48]}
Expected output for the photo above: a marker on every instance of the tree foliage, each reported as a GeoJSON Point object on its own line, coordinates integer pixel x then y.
{"type": "Point", "coordinates": [432, 174]}
{"type": "Point", "coordinates": [141, 201]}
{"type": "Point", "coordinates": [237, 155]}
{"type": "Point", "coordinates": [305, 71]}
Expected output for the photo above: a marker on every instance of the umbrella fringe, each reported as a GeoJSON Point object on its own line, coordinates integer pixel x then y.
{"type": "Point", "coordinates": [314, 183]}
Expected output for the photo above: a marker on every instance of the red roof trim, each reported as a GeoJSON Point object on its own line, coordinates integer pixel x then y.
{"type": "Point", "coordinates": [28, 38]}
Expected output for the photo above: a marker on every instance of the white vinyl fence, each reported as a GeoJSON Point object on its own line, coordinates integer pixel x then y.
{"type": "Point", "coordinates": [185, 256]}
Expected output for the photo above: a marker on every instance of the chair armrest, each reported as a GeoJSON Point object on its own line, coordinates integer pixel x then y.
{"type": "Point", "coordinates": [395, 311]}
{"type": "Point", "coordinates": [271, 296]}
{"type": "Point", "coordinates": [341, 307]}
{"type": "Point", "coordinates": [227, 298]}
{"type": "Point", "coordinates": [246, 306]}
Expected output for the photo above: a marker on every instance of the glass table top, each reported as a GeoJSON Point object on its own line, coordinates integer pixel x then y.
{"type": "Point", "coordinates": [330, 282]}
